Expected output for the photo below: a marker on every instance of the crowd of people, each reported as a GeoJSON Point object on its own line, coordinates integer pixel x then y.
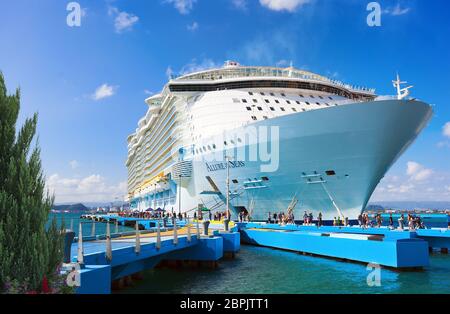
{"type": "Point", "coordinates": [413, 221]}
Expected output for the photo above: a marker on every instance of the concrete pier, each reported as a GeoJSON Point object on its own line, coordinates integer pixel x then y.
{"type": "Point", "coordinates": [112, 262]}
{"type": "Point", "coordinates": [401, 249]}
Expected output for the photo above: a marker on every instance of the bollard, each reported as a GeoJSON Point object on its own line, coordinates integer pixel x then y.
{"type": "Point", "coordinates": [117, 226]}
{"type": "Point", "coordinates": [205, 227]}
{"type": "Point", "coordinates": [198, 230]}
{"type": "Point", "coordinates": [80, 255]}
{"type": "Point", "coordinates": [108, 244]}
{"type": "Point", "coordinates": [158, 237]}
{"type": "Point", "coordinates": [93, 229]}
{"type": "Point", "coordinates": [137, 248]}
{"type": "Point", "coordinates": [175, 234]}
{"type": "Point", "coordinates": [226, 222]}
{"type": "Point", "coordinates": [189, 233]}
{"type": "Point", "coordinates": [71, 224]}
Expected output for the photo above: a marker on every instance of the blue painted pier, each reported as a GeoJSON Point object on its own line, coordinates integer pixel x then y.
{"type": "Point", "coordinates": [129, 256]}
{"type": "Point", "coordinates": [400, 249]}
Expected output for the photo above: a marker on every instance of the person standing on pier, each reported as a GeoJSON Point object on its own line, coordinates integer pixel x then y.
{"type": "Point", "coordinates": [400, 221]}
{"type": "Point", "coordinates": [391, 221]}
{"type": "Point", "coordinates": [269, 218]}
{"type": "Point", "coordinates": [319, 222]}
{"type": "Point", "coordinates": [379, 220]}
{"type": "Point", "coordinates": [360, 220]}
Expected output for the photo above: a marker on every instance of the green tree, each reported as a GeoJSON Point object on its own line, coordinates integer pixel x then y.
{"type": "Point", "coordinates": [29, 252]}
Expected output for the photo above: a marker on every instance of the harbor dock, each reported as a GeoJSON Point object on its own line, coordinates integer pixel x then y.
{"type": "Point", "coordinates": [113, 260]}
{"type": "Point", "coordinates": [399, 249]}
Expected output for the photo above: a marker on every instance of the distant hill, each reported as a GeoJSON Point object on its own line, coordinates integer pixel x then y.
{"type": "Point", "coordinates": [410, 205]}
{"type": "Point", "coordinates": [71, 208]}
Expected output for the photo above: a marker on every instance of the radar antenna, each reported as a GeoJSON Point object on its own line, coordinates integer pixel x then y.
{"type": "Point", "coordinates": [402, 93]}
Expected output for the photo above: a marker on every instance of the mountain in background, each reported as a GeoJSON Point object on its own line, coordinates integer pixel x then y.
{"type": "Point", "coordinates": [410, 205]}
{"type": "Point", "coordinates": [71, 208]}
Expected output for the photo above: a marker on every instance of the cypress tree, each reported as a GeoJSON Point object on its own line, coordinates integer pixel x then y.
{"type": "Point", "coordinates": [29, 252]}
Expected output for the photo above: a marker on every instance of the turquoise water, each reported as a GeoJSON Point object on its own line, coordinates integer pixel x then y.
{"type": "Point", "coordinates": [267, 271]}
{"type": "Point", "coordinates": [263, 270]}
{"type": "Point", "coordinates": [74, 219]}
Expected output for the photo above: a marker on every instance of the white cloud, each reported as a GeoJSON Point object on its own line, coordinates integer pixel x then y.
{"type": "Point", "coordinates": [183, 6]}
{"type": "Point", "coordinates": [169, 72]}
{"type": "Point", "coordinates": [193, 27]}
{"type": "Point", "coordinates": [74, 164]}
{"type": "Point", "coordinates": [123, 21]}
{"type": "Point", "coordinates": [240, 4]}
{"type": "Point", "coordinates": [446, 130]}
{"type": "Point", "coordinates": [104, 91]}
{"type": "Point", "coordinates": [417, 172]}
{"type": "Point", "coordinates": [195, 66]}
{"type": "Point", "coordinates": [267, 49]}
{"type": "Point", "coordinates": [93, 188]}
{"type": "Point", "coordinates": [283, 5]}
{"type": "Point", "coordinates": [397, 10]}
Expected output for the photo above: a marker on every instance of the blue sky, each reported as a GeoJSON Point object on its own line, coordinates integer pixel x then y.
{"type": "Point", "coordinates": [89, 83]}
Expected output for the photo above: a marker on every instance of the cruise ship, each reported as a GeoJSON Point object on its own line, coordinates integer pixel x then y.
{"type": "Point", "coordinates": [262, 140]}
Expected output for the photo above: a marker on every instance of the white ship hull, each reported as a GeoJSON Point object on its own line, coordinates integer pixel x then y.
{"type": "Point", "coordinates": [355, 143]}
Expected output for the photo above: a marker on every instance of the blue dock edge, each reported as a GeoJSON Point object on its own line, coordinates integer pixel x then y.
{"type": "Point", "coordinates": [98, 273]}
{"type": "Point", "coordinates": [380, 246]}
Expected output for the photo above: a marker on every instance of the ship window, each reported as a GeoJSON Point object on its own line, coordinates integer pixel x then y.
{"type": "Point", "coordinates": [293, 109]}
{"type": "Point", "coordinates": [265, 117]}
{"type": "Point", "coordinates": [260, 108]}
{"type": "Point", "coordinates": [330, 173]}
{"type": "Point", "coordinates": [262, 94]}
{"type": "Point", "coordinates": [267, 100]}
{"type": "Point", "coordinates": [244, 101]}
{"type": "Point", "coordinates": [320, 97]}
{"type": "Point", "coordinates": [303, 109]}
{"type": "Point", "coordinates": [265, 178]}
{"type": "Point", "coordinates": [254, 118]}
{"type": "Point", "coordinates": [236, 101]}
{"type": "Point", "coordinates": [301, 96]}
{"type": "Point", "coordinates": [239, 140]}
{"type": "Point", "coordinates": [235, 181]}
{"type": "Point", "coordinates": [214, 146]}
{"type": "Point", "coordinates": [318, 104]}
{"type": "Point", "coordinates": [255, 101]}
{"type": "Point", "coordinates": [225, 143]}
{"type": "Point", "coordinates": [209, 147]}
{"type": "Point", "coordinates": [312, 96]}
{"type": "Point", "coordinates": [249, 108]}
{"type": "Point", "coordinates": [282, 109]}
{"type": "Point", "coordinates": [283, 94]}
{"type": "Point", "coordinates": [277, 101]}
{"type": "Point", "coordinates": [288, 102]}
{"type": "Point", "coordinates": [272, 108]}
{"type": "Point", "coordinates": [272, 94]}
{"type": "Point", "coordinates": [331, 98]}
{"type": "Point", "coordinates": [250, 93]}
{"type": "Point", "coordinates": [232, 142]}
{"type": "Point", "coordinates": [298, 103]}
{"type": "Point", "coordinates": [335, 104]}
{"type": "Point", "coordinates": [308, 103]}
{"type": "Point", "coordinates": [327, 104]}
